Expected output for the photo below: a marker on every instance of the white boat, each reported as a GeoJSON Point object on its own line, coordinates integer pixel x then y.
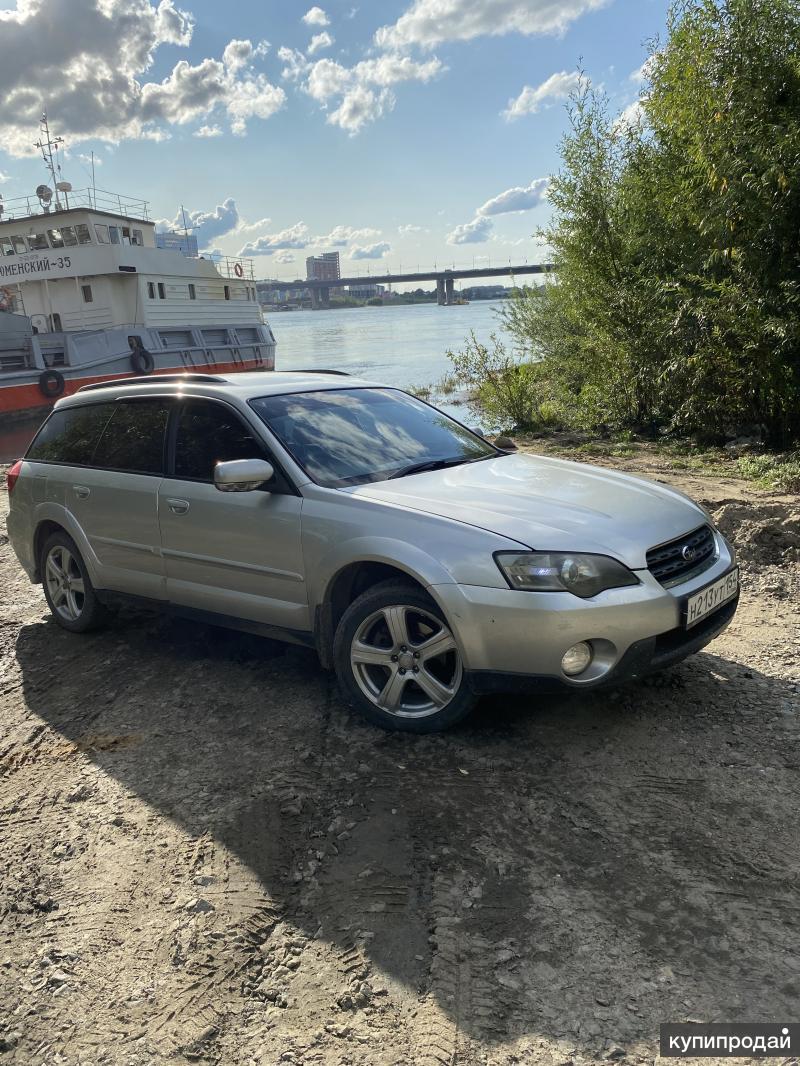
{"type": "Point", "coordinates": [86, 295]}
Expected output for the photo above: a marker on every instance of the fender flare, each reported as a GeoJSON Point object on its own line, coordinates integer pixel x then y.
{"type": "Point", "coordinates": [55, 512]}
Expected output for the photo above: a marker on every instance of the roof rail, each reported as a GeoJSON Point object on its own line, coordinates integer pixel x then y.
{"type": "Point", "coordinates": [315, 370]}
{"type": "Point", "coordinates": [157, 379]}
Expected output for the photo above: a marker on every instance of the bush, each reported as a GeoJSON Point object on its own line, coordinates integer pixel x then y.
{"type": "Point", "coordinates": [510, 392]}
{"type": "Point", "coordinates": [676, 296]}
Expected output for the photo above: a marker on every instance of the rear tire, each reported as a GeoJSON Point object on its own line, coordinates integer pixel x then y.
{"type": "Point", "coordinates": [67, 586]}
{"type": "Point", "coordinates": [397, 661]}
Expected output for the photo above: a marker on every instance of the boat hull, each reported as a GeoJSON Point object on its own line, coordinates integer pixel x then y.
{"type": "Point", "coordinates": [23, 399]}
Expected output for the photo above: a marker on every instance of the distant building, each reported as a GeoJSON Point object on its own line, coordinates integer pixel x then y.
{"type": "Point", "coordinates": [178, 242]}
{"type": "Point", "coordinates": [323, 267]}
{"type": "Point", "coordinates": [365, 291]}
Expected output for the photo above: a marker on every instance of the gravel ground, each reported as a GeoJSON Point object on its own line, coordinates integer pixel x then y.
{"type": "Point", "coordinates": [206, 858]}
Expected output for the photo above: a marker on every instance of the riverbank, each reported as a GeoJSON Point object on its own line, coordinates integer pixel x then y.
{"type": "Point", "coordinates": [207, 858]}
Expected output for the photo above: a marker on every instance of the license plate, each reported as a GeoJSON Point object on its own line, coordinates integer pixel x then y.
{"type": "Point", "coordinates": [711, 597]}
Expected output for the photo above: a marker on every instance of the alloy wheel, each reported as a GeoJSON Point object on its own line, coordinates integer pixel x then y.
{"type": "Point", "coordinates": [65, 583]}
{"type": "Point", "coordinates": [406, 661]}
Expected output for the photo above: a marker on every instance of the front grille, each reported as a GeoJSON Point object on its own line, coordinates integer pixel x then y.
{"type": "Point", "coordinates": [683, 557]}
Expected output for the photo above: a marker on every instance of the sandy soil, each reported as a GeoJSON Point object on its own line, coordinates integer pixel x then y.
{"type": "Point", "coordinates": [206, 858]}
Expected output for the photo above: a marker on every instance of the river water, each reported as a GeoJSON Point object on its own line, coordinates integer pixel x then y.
{"type": "Point", "coordinates": [404, 346]}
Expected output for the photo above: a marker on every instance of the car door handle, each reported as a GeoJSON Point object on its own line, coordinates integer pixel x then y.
{"type": "Point", "coordinates": [81, 491]}
{"type": "Point", "coordinates": [178, 506]}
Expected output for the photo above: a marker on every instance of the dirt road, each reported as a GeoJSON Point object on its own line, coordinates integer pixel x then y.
{"type": "Point", "coordinates": [206, 858]}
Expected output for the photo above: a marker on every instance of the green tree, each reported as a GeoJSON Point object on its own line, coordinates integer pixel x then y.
{"type": "Point", "coordinates": [676, 238]}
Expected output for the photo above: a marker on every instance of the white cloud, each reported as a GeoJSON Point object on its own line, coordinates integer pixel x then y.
{"type": "Point", "coordinates": [410, 228]}
{"type": "Point", "coordinates": [430, 22]}
{"type": "Point", "coordinates": [285, 257]}
{"type": "Point", "coordinates": [477, 231]}
{"type": "Point", "coordinates": [208, 131]}
{"type": "Point", "coordinates": [557, 87]}
{"type": "Point", "coordinates": [642, 73]}
{"type": "Point", "coordinates": [315, 16]}
{"type": "Point", "coordinates": [341, 236]}
{"type": "Point", "coordinates": [631, 116]}
{"type": "Point", "coordinates": [361, 93]}
{"type": "Point", "coordinates": [360, 106]}
{"type": "Point", "coordinates": [4, 178]}
{"type": "Point", "coordinates": [205, 225]}
{"type": "Point", "coordinates": [92, 57]}
{"type": "Point", "coordinates": [319, 42]}
{"type": "Point", "coordinates": [370, 251]}
{"type": "Point", "coordinates": [296, 236]}
{"type": "Point", "coordinates": [87, 159]}
{"type": "Point", "coordinates": [518, 198]}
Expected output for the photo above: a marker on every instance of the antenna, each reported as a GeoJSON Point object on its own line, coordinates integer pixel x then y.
{"type": "Point", "coordinates": [46, 144]}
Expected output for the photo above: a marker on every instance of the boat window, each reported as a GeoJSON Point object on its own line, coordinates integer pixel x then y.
{"type": "Point", "coordinates": [113, 233]}
{"type": "Point", "coordinates": [151, 291]}
{"type": "Point", "coordinates": [102, 233]}
{"type": "Point", "coordinates": [126, 235]}
{"type": "Point", "coordinates": [37, 241]}
{"type": "Point", "coordinates": [136, 237]}
{"type": "Point", "coordinates": [68, 236]}
{"type": "Point", "coordinates": [87, 294]}
{"type": "Point", "coordinates": [20, 247]}
{"type": "Point", "coordinates": [6, 247]}
{"type": "Point", "coordinates": [133, 441]}
{"type": "Point", "coordinates": [83, 234]}
{"type": "Point", "coordinates": [192, 292]}
{"type": "Point", "coordinates": [55, 322]}
{"type": "Point", "coordinates": [227, 292]}
{"type": "Point", "coordinates": [56, 240]}
{"type": "Point", "coordinates": [162, 295]}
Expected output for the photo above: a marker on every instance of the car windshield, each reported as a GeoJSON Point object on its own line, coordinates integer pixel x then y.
{"type": "Point", "coordinates": [351, 436]}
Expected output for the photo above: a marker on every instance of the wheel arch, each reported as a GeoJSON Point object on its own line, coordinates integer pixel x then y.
{"type": "Point", "coordinates": [359, 571]}
{"type": "Point", "coordinates": [50, 519]}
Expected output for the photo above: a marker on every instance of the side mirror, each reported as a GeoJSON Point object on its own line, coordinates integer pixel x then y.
{"type": "Point", "coordinates": [242, 475]}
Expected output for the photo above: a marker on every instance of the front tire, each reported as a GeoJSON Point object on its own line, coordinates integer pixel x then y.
{"type": "Point", "coordinates": [67, 587]}
{"type": "Point", "coordinates": [398, 663]}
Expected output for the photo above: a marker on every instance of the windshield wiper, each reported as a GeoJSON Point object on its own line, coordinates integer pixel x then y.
{"type": "Point", "coordinates": [429, 464]}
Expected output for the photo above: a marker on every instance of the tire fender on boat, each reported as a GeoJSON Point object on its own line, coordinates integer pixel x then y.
{"type": "Point", "coordinates": [51, 383]}
{"type": "Point", "coordinates": [142, 361]}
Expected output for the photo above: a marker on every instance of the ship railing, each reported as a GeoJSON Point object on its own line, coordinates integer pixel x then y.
{"type": "Point", "coordinates": [94, 199]}
{"type": "Point", "coordinates": [232, 266]}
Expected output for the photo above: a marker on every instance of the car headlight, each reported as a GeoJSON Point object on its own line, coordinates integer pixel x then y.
{"type": "Point", "coordinates": [582, 575]}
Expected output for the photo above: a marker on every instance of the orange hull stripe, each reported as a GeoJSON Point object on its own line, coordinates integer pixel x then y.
{"type": "Point", "coordinates": [28, 397]}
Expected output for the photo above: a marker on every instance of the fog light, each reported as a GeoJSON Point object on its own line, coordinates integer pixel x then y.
{"type": "Point", "coordinates": [576, 659]}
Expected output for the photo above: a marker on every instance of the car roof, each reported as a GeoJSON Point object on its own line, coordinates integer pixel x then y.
{"type": "Point", "coordinates": [244, 386]}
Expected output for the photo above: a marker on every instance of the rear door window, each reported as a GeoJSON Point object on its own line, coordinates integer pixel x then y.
{"type": "Point", "coordinates": [210, 433]}
{"type": "Point", "coordinates": [71, 435]}
{"type": "Point", "coordinates": [133, 439]}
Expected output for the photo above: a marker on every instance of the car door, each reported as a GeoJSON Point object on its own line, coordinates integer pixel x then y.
{"type": "Point", "coordinates": [114, 498]}
{"type": "Point", "coordinates": [231, 553]}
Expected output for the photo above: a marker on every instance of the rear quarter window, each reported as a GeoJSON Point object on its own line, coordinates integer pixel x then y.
{"type": "Point", "coordinates": [70, 435]}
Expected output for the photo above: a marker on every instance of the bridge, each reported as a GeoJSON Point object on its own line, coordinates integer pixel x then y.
{"type": "Point", "coordinates": [445, 280]}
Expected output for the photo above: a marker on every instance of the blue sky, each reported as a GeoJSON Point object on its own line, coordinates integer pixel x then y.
{"type": "Point", "coordinates": [387, 138]}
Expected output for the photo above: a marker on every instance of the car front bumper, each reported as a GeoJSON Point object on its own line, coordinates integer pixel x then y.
{"type": "Point", "coordinates": [506, 634]}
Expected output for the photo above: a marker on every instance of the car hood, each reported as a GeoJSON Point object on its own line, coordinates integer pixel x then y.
{"type": "Point", "coordinates": [549, 504]}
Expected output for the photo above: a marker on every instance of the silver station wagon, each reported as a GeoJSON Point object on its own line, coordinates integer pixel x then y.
{"type": "Point", "coordinates": [423, 564]}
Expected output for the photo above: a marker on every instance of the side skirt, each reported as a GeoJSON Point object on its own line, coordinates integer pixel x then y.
{"type": "Point", "coordinates": [211, 618]}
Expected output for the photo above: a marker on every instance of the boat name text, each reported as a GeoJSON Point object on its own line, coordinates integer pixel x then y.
{"type": "Point", "coordinates": [34, 266]}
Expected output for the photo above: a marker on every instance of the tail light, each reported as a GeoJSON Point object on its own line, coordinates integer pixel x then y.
{"type": "Point", "coordinates": [12, 475]}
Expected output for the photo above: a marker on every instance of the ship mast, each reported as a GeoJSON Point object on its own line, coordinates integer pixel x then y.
{"type": "Point", "coordinates": [46, 144]}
